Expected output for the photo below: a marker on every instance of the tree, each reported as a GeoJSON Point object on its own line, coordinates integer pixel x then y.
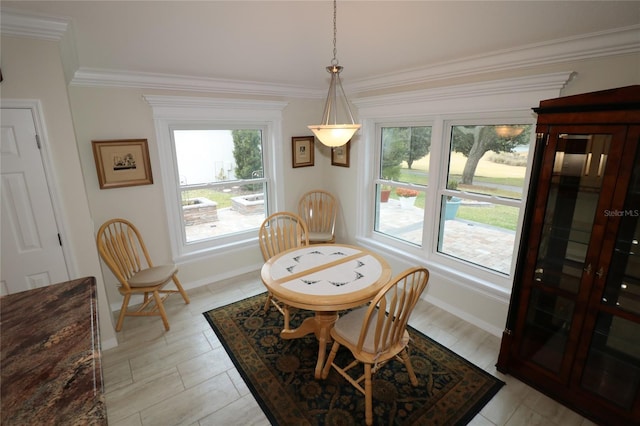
{"type": "Point", "coordinates": [403, 144]}
{"type": "Point", "coordinates": [474, 141]}
{"type": "Point", "coordinates": [247, 152]}
{"type": "Point", "coordinates": [394, 146]}
{"type": "Point", "coordinates": [419, 144]}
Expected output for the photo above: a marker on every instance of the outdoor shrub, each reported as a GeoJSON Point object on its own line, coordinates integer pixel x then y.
{"type": "Point", "coordinates": [403, 192]}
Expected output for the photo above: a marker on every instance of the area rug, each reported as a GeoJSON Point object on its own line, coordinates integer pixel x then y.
{"type": "Point", "coordinates": [280, 375]}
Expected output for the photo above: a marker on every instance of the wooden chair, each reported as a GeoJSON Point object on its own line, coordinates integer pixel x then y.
{"type": "Point", "coordinates": [279, 232]}
{"type": "Point", "coordinates": [377, 333]}
{"type": "Point", "coordinates": [121, 247]}
{"type": "Point", "coordinates": [319, 209]}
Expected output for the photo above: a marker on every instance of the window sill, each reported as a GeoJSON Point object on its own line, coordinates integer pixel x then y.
{"type": "Point", "coordinates": [473, 279]}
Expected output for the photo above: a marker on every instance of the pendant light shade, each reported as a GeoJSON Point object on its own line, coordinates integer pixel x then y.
{"type": "Point", "coordinates": [334, 134]}
{"type": "Point", "coordinates": [337, 126]}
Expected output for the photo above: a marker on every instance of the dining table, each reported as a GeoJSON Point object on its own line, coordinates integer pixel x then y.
{"type": "Point", "coordinates": [326, 279]}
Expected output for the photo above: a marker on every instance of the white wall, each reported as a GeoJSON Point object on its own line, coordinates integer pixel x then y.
{"type": "Point", "coordinates": [32, 70]}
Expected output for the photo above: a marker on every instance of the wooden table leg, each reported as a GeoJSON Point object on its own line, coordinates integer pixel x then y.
{"type": "Point", "coordinates": [325, 322]}
{"type": "Point", "coordinates": [320, 325]}
{"type": "Point", "coordinates": [309, 325]}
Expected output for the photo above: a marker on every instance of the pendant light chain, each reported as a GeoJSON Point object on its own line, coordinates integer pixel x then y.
{"type": "Point", "coordinates": [331, 132]}
{"type": "Point", "coordinates": [334, 61]}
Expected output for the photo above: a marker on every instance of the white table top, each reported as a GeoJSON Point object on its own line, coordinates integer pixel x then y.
{"type": "Point", "coordinates": [321, 276]}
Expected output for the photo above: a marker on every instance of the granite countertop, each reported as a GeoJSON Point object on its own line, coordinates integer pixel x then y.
{"type": "Point", "coordinates": [50, 356]}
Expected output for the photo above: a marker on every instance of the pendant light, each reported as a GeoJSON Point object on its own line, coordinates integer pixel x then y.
{"type": "Point", "coordinates": [330, 132]}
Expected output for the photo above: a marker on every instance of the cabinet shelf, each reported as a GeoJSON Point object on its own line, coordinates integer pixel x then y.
{"type": "Point", "coordinates": [611, 377]}
{"type": "Point", "coordinates": [564, 274]}
{"type": "Point", "coordinates": [574, 188]}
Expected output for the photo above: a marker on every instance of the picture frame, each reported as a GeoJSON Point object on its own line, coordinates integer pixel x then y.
{"type": "Point", "coordinates": [122, 163]}
{"type": "Point", "coordinates": [302, 148]}
{"type": "Point", "coordinates": [340, 155]}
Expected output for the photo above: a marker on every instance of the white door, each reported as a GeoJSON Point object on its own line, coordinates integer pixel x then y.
{"type": "Point", "coordinates": [31, 253]}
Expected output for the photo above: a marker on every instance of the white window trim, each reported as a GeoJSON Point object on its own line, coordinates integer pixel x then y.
{"type": "Point", "coordinates": [504, 99]}
{"type": "Point", "coordinates": [171, 111]}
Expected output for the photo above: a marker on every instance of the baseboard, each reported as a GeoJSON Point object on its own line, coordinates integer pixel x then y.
{"type": "Point", "coordinates": [489, 328]}
{"type": "Point", "coordinates": [108, 344]}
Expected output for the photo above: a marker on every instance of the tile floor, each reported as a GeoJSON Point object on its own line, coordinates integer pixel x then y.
{"type": "Point", "coordinates": [184, 376]}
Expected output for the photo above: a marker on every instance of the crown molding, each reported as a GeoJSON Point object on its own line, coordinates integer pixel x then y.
{"type": "Point", "coordinates": [593, 45]}
{"type": "Point", "coordinates": [144, 80]}
{"type": "Point", "coordinates": [18, 24]}
{"type": "Point", "coordinates": [167, 101]}
{"type": "Point", "coordinates": [518, 93]}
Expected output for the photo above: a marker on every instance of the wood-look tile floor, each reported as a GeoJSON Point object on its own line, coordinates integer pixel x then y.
{"type": "Point", "coordinates": [184, 376]}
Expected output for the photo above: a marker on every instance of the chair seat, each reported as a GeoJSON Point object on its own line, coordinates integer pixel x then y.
{"type": "Point", "coordinates": [320, 236]}
{"type": "Point", "coordinates": [348, 327]}
{"type": "Point", "coordinates": [153, 276]}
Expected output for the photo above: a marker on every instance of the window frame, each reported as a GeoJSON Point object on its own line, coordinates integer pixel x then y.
{"type": "Point", "coordinates": [438, 170]}
{"type": "Point", "coordinates": [180, 113]}
{"type": "Point", "coordinates": [489, 119]}
{"type": "Point", "coordinates": [506, 100]}
{"type": "Point", "coordinates": [225, 238]}
{"type": "Point", "coordinates": [378, 180]}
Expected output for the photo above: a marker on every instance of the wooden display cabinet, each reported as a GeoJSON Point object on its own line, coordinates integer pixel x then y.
{"type": "Point", "coordinates": [573, 329]}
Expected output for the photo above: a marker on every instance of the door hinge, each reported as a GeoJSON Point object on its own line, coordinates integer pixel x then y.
{"type": "Point", "coordinates": [38, 142]}
{"type": "Point", "coordinates": [60, 240]}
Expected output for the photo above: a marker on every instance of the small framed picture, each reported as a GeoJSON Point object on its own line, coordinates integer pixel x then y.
{"type": "Point", "coordinates": [122, 163]}
{"type": "Point", "coordinates": [340, 155]}
{"type": "Point", "coordinates": [302, 148]}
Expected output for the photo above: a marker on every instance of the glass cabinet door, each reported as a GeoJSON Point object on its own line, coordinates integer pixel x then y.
{"type": "Point", "coordinates": [612, 368]}
{"type": "Point", "coordinates": [579, 163]}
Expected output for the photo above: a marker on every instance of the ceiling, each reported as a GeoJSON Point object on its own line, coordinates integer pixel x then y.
{"type": "Point", "coordinates": [290, 42]}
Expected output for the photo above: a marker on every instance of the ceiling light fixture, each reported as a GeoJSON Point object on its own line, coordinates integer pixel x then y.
{"type": "Point", "coordinates": [330, 132]}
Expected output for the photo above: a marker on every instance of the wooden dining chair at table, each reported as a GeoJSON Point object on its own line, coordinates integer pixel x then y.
{"type": "Point", "coordinates": [279, 232]}
{"type": "Point", "coordinates": [377, 333]}
{"type": "Point", "coordinates": [319, 210]}
{"type": "Point", "coordinates": [122, 248]}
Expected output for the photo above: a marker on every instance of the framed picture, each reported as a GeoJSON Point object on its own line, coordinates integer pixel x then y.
{"type": "Point", "coordinates": [340, 155]}
{"type": "Point", "coordinates": [302, 148]}
{"type": "Point", "coordinates": [122, 163]}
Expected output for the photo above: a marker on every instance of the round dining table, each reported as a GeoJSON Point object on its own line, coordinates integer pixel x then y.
{"type": "Point", "coordinates": [324, 278]}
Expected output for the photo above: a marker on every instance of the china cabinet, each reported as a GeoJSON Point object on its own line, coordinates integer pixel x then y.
{"type": "Point", "coordinates": [573, 329]}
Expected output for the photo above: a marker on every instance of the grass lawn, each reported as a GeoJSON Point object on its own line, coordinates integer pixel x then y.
{"type": "Point", "coordinates": [222, 198]}
{"type": "Point", "coordinates": [499, 216]}
{"type": "Point", "coordinates": [490, 179]}
{"type": "Point", "coordinates": [493, 175]}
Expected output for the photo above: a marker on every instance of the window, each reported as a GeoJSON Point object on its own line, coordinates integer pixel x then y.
{"type": "Point", "coordinates": [480, 198]}
{"type": "Point", "coordinates": [219, 170]}
{"type": "Point", "coordinates": [483, 193]}
{"type": "Point", "coordinates": [462, 200]}
{"type": "Point", "coordinates": [474, 162]}
{"type": "Point", "coordinates": [402, 182]}
{"type": "Point", "coordinates": [221, 180]}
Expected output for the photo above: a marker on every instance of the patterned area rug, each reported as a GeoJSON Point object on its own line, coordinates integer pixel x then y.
{"type": "Point", "coordinates": [280, 375]}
